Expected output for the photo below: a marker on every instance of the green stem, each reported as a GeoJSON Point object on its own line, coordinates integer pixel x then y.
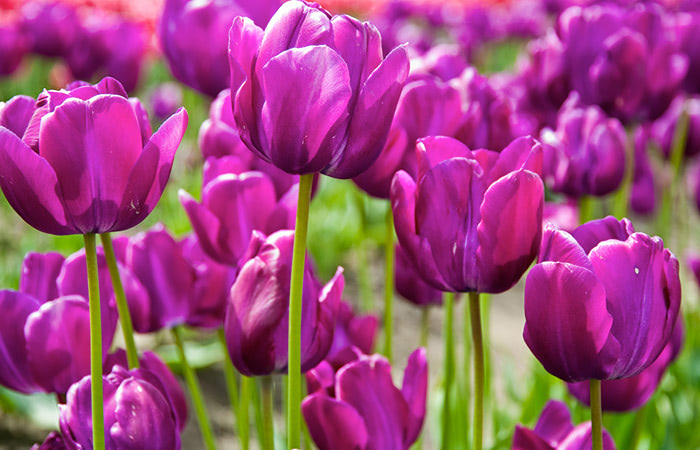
{"type": "Point", "coordinates": [586, 205]}
{"type": "Point", "coordinates": [475, 317]}
{"type": "Point", "coordinates": [424, 326]}
{"type": "Point", "coordinates": [132, 355]}
{"type": "Point", "coordinates": [242, 416]}
{"type": "Point", "coordinates": [257, 407]}
{"type": "Point", "coordinates": [96, 394]}
{"type": "Point", "coordinates": [639, 418]}
{"type": "Point", "coordinates": [596, 415]}
{"type": "Point", "coordinates": [363, 278]}
{"type": "Point", "coordinates": [295, 291]}
{"type": "Point", "coordinates": [231, 385]}
{"type": "Point", "coordinates": [680, 137]}
{"type": "Point", "coordinates": [449, 298]}
{"type": "Point", "coordinates": [388, 284]}
{"type": "Point", "coordinates": [268, 437]}
{"type": "Point", "coordinates": [467, 361]}
{"type": "Point", "coordinates": [195, 391]}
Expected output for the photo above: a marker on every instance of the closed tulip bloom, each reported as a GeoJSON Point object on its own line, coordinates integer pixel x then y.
{"type": "Point", "coordinates": [13, 45]}
{"type": "Point", "coordinates": [137, 413]}
{"type": "Point", "coordinates": [86, 161]}
{"type": "Point", "coordinates": [472, 219]}
{"type": "Point", "coordinates": [316, 94]}
{"type": "Point", "coordinates": [602, 302]}
{"type": "Point", "coordinates": [194, 38]}
{"type": "Point", "coordinates": [367, 411]}
{"type": "Point", "coordinates": [410, 285]}
{"type": "Point", "coordinates": [585, 155]}
{"type": "Point", "coordinates": [555, 431]}
{"type": "Point", "coordinates": [51, 27]}
{"type": "Point", "coordinates": [627, 394]}
{"type": "Point", "coordinates": [233, 205]}
{"type": "Point", "coordinates": [258, 309]}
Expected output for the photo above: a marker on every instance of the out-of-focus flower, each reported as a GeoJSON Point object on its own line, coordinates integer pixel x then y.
{"type": "Point", "coordinates": [627, 394]}
{"type": "Point", "coordinates": [555, 431]}
{"type": "Point", "coordinates": [365, 409]}
{"type": "Point", "coordinates": [13, 45]}
{"type": "Point", "coordinates": [564, 216]}
{"type": "Point", "coordinates": [586, 153]}
{"type": "Point", "coordinates": [166, 98]}
{"type": "Point", "coordinates": [138, 412]}
{"type": "Point", "coordinates": [316, 94]}
{"type": "Point", "coordinates": [643, 191]}
{"type": "Point", "coordinates": [602, 302]}
{"type": "Point", "coordinates": [54, 441]}
{"type": "Point", "coordinates": [51, 27]}
{"type": "Point", "coordinates": [257, 314]}
{"type": "Point", "coordinates": [663, 130]}
{"type": "Point", "coordinates": [410, 285]}
{"type": "Point", "coordinates": [86, 162]}
{"type": "Point", "coordinates": [194, 37]}
{"type": "Point", "coordinates": [472, 219]}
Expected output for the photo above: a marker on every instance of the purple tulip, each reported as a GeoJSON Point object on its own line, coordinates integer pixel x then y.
{"type": "Point", "coordinates": [445, 62]}
{"type": "Point", "coordinates": [138, 413]}
{"type": "Point", "coordinates": [410, 285]}
{"type": "Point", "coordinates": [316, 95]}
{"type": "Point", "coordinates": [693, 261]}
{"type": "Point", "coordinates": [627, 394]}
{"type": "Point", "coordinates": [688, 27]}
{"type": "Point", "coordinates": [233, 205]}
{"type": "Point", "coordinates": [13, 45]}
{"type": "Point", "coordinates": [352, 332]}
{"type": "Point", "coordinates": [602, 302]}
{"type": "Point", "coordinates": [555, 431]}
{"type": "Point", "coordinates": [86, 161]}
{"type": "Point", "coordinates": [218, 138]}
{"type": "Point", "coordinates": [585, 155]}
{"type": "Point", "coordinates": [564, 216]}
{"type": "Point", "coordinates": [51, 27]}
{"type": "Point", "coordinates": [194, 38]}
{"type": "Point", "coordinates": [367, 411]}
{"type": "Point", "coordinates": [427, 107]}
{"type": "Point", "coordinates": [166, 98]}
{"type": "Point", "coordinates": [54, 441]}
{"type": "Point", "coordinates": [179, 284]}
{"type": "Point", "coordinates": [473, 219]}
{"type": "Point", "coordinates": [663, 130]}
{"type": "Point", "coordinates": [643, 191]}
{"type": "Point", "coordinates": [257, 313]}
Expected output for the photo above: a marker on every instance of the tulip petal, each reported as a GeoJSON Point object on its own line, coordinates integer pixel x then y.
{"type": "Point", "coordinates": [244, 39]}
{"type": "Point", "coordinates": [567, 324]}
{"type": "Point", "coordinates": [510, 230]}
{"type": "Point", "coordinates": [415, 391]}
{"type": "Point", "coordinates": [39, 273]}
{"type": "Point", "coordinates": [207, 227]}
{"type": "Point", "coordinates": [558, 245]}
{"type": "Point", "coordinates": [371, 117]}
{"type": "Point", "coordinates": [643, 297]}
{"type": "Point", "coordinates": [526, 439]}
{"type": "Point", "coordinates": [432, 150]}
{"type": "Point", "coordinates": [334, 424]}
{"type": "Point", "coordinates": [581, 438]}
{"type": "Point", "coordinates": [554, 423]}
{"type": "Point", "coordinates": [319, 328]}
{"type": "Point", "coordinates": [523, 153]}
{"type": "Point", "coordinates": [16, 113]}
{"type": "Point", "coordinates": [307, 91]}
{"type": "Point", "coordinates": [592, 233]}
{"type": "Point", "coordinates": [16, 307]}
{"type": "Point", "coordinates": [31, 186]}
{"type": "Point", "coordinates": [171, 387]}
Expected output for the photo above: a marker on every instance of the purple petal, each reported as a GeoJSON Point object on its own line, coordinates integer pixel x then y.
{"type": "Point", "coordinates": [526, 439]}
{"type": "Point", "coordinates": [243, 42]}
{"type": "Point", "coordinates": [554, 423]}
{"type": "Point", "coordinates": [15, 114]}
{"type": "Point", "coordinates": [39, 273]}
{"type": "Point", "coordinates": [560, 246]}
{"type": "Point", "coordinates": [415, 391]}
{"type": "Point", "coordinates": [592, 233]}
{"type": "Point", "coordinates": [432, 150]}
{"type": "Point", "coordinates": [334, 424]}
{"type": "Point", "coordinates": [16, 307]}
{"type": "Point", "coordinates": [171, 387]}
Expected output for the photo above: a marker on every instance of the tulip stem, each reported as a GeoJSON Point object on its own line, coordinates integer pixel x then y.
{"type": "Point", "coordinates": [363, 278]}
{"type": "Point", "coordinates": [449, 368]}
{"type": "Point", "coordinates": [586, 206]}
{"type": "Point", "coordinates": [195, 391]}
{"type": "Point", "coordinates": [596, 415]}
{"type": "Point", "coordinates": [96, 394]}
{"type": "Point", "coordinates": [388, 284]}
{"type": "Point", "coordinates": [232, 388]}
{"type": "Point", "coordinates": [132, 355]}
{"type": "Point", "coordinates": [268, 437]}
{"type": "Point", "coordinates": [639, 418]}
{"type": "Point", "coordinates": [424, 326]}
{"type": "Point", "coordinates": [295, 304]}
{"type": "Point", "coordinates": [243, 409]}
{"type": "Point", "coordinates": [466, 376]}
{"type": "Point", "coordinates": [475, 316]}
{"type": "Point", "coordinates": [680, 137]}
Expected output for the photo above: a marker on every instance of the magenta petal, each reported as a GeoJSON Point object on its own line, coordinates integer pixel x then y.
{"type": "Point", "coordinates": [310, 88]}
{"type": "Point", "coordinates": [526, 439]}
{"type": "Point", "coordinates": [510, 230]}
{"type": "Point", "coordinates": [171, 386]}
{"type": "Point", "coordinates": [581, 438]}
{"type": "Point", "coordinates": [39, 273]}
{"type": "Point", "coordinates": [371, 117]}
{"type": "Point", "coordinates": [16, 113]}
{"type": "Point", "coordinates": [554, 423]}
{"type": "Point", "coordinates": [415, 391]}
{"type": "Point", "coordinates": [31, 186]}
{"type": "Point", "coordinates": [432, 150]}
{"type": "Point", "coordinates": [207, 227]}
{"type": "Point", "coordinates": [243, 41]}
{"type": "Point", "coordinates": [334, 424]}
{"type": "Point", "coordinates": [592, 233]}
{"type": "Point", "coordinates": [523, 153]}
{"type": "Point", "coordinates": [567, 324]}
{"type": "Point", "coordinates": [16, 307]}
{"type": "Point", "coordinates": [643, 291]}
{"type": "Point", "coordinates": [558, 245]}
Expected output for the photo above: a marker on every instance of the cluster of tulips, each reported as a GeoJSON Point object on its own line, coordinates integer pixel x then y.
{"type": "Point", "coordinates": [599, 116]}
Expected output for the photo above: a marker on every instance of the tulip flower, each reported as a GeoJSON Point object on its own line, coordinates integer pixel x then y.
{"type": "Point", "coordinates": [443, 61]}
{"type": "Point", "coordinates": [627, 394]}
{"type": "Point", "coordinates": [317, 95]}
{"type": "Point", "coordinates": [13, 45]}
{"type": "Point", "coordinates": [352, 331]}
{"type": "Point", "coordinates": [663, 129]}
{"type": "Point", "coordinates": [138, 412]}
{"type": "Point", "coordinates": [86, 161]}
{"type": "Point", "coordinates": [51, 27]}
{"type": "Point", "coordinates": [194, 39]}
{"type": "Point", "coordinates": [585, 155]}
{"type": "Point", "coordinates": [643, 191]}
{"type": "Point", "coordinates": [555, 431]}
{"type": "Point", "coordinates": [367, 410]}
{"type": "Point", "coordinates": [257, 310]}
{"type": "Point", "coordinates": [410, 285]}
{"type": "Point", "coordinates": [621, 287]}
{"type": "Point", "coordinates": [166, 98]}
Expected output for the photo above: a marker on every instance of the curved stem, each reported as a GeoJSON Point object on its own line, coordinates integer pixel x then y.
{"type": "Point", "coordinates": [475, 317]}
{"type": "Point", "coordinates": [132, 355]}
{"type": "Point", "coordinates": [195, 391]}
{"type": "Point", "coordinates": [232, 387]}
{"type": "Point", "coordinates": [389, 284]}
{"type": "Point", "coordinates": [268, 437]}
{"type": "Point", "coordinates": [596, 415]}
{"type": "Point", "coordinates": [449, 299]}
{"type": "Point", "coordinates": [96, 394]}
{"type": "Point", "coordinates": [295, 292]}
